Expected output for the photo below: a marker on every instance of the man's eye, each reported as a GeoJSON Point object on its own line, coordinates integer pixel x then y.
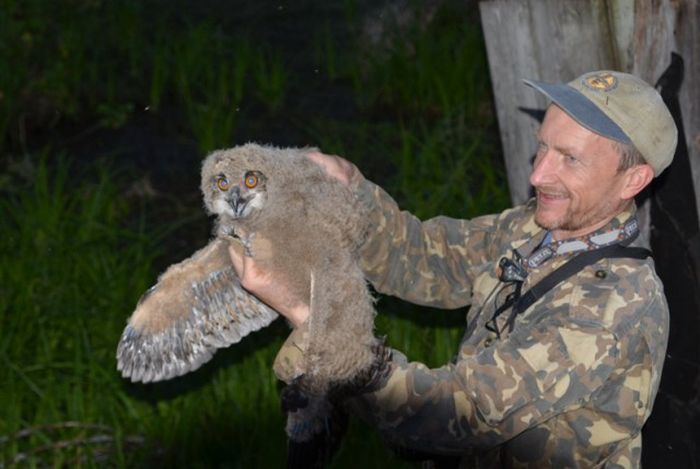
{"type": "Point", "coordinates": [541, 149]}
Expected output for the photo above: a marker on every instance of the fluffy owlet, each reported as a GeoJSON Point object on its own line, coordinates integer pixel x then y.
{"type": "Point", "coordinates": [293, 219]}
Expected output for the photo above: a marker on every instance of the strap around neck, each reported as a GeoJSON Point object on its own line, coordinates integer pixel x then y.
{"type": "Point", "coordinates": [593, 241]}
{"type": "Point", "coordinates": [575, 265]}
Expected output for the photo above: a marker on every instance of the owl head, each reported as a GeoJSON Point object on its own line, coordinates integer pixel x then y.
{"type": "Point", "coordinates": [234, 182]}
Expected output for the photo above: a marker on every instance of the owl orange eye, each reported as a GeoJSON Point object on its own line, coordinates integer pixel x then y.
{"type": "Point", "coordinates": [222, 183]}
{"type": "Point", "coordinates": [251, 181]}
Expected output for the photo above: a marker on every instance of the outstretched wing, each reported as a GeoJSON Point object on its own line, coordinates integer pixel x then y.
{"type": "Point", "coordinates": [197, 306]}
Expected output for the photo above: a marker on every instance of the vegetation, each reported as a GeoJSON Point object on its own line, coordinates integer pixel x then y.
{"type": "Point", "coordinates": [84, 232]}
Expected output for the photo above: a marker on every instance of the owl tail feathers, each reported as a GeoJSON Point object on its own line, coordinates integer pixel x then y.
{"type": "Point", "coordinates": [315, 428]}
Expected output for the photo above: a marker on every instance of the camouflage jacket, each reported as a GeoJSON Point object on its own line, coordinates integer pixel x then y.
{"type": "Point", "coordinates": [570, 386]}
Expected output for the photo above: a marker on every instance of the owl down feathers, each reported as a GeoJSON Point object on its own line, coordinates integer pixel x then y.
{"type": "Point", "coordinates": [295, 221]}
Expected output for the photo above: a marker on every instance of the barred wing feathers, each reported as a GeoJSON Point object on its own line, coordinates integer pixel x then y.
{"type": "Point", "coordinates": [196, 307]}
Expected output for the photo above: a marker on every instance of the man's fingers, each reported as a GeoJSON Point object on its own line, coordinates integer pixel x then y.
{"type": "Point", "coordinates": [334, 166]}
{"type": "Point", "coordinates": [264, 286]}
{"type": "Point", "coordinates": [327, 162]}
{"type": "Point", "coordinates": [319, 158]}
{"type": "Point", "coordinates": [251, 278]}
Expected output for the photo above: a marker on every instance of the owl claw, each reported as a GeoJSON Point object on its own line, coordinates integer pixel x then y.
{"type": "Point", "coordinates": [245, 241]}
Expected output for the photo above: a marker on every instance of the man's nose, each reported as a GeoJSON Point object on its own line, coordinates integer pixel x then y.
{"type": "Point", "coordinates": [544, 169]}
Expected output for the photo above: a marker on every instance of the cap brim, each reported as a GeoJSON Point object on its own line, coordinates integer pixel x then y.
{"type": "Point", "coordinates": [581, 109]}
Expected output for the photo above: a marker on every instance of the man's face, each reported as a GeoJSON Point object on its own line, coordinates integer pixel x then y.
{"type": "Point", "coordinates": [575, 177]}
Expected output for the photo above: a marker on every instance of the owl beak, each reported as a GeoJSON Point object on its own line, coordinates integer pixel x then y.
{"type": "Point", "coordinates": [237, 201]}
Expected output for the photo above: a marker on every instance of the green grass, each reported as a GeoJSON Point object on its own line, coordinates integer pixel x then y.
{"type": "Point", "coordinates": [62, 63]}
{"type": "Point", "coordinates": [77, 251]}
{"type": "Point", "coordinates": [429, 70]}
{"type": "Point", "coordinates": [211, 79]}
{"type": "Point", "coordinates": [67, 62]}
{"type": "Point", "coordinates": [71, 274]}
{"type": "Point", "coordinates": [69, 271]}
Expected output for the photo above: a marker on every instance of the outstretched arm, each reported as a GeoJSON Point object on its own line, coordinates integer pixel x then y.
{"type": "Point", "coordinates": [425, 262]}
{"type": "Point", "coordinates": [488, 398]}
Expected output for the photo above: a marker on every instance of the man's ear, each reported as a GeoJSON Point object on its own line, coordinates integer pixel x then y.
{"type": "Point", "coordinates": [636, 179]}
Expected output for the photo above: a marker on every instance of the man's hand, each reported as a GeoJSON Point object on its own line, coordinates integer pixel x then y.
{"type": "Point", "coordinates": [337, 167]}
{"type": "Point", "coordinates": [266, 287]}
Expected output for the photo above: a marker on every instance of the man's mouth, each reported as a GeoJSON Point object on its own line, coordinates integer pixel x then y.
{"type": "Point", "coordinates": [550, 197]}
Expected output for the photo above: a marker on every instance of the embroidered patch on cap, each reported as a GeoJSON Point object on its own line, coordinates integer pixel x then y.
{"type": "Point", "coordinates": [600, 82]}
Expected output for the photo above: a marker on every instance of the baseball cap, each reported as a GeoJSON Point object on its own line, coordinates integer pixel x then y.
{"type": "Point", "coordinates": [621, 107]}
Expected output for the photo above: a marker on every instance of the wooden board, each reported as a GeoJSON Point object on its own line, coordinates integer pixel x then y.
{"type": "Point", "coordinates": [548, 40]}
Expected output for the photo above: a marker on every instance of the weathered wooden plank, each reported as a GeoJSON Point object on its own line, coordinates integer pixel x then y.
{"type": "Point", "coordinates": [550, 40]}
{"type": "Point", "coordinates": [641, 32]}
{"type": "Point", "coordinates": [653, 40]}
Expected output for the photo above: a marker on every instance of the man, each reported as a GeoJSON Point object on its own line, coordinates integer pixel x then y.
{"type": "Point", "coordinates": [568, 377]}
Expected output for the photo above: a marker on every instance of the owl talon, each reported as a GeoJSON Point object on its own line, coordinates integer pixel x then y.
{"type": "Point", "coordinates": [293, 398]}
{"type": "Point", "coordinates": [246, 243]}
{"type": "Point", "coordinates": [232, 238]}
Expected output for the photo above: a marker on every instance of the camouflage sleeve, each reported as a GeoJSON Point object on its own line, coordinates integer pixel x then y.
{"type": "Point", "coordinates": [494, 395]}
{"type": "Point", "coordinates": [428, 262]}
{"type": "Point", "coordinates": [488, 398]}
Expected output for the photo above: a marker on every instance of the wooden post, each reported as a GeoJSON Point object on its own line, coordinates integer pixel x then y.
{"type": "Point", "coordinates": [548, 40]}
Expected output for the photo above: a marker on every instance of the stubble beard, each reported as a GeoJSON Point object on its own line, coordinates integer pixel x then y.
{"type": "Point", "coordinates": [573, 221]}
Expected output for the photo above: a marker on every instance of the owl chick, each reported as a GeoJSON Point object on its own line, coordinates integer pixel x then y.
{"type": "Point", "coordinates": [297, 222]}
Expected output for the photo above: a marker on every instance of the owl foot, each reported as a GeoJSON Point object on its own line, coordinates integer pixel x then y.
{"type": "Point", "coordinates": [315, 428]}
{"type": "Point", "coordinates": [245, 241]}
{"type": "Point", "coordinates": [293, 398]}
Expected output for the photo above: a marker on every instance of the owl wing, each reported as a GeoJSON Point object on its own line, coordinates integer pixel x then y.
{"type": "Point", "coordinates": [197, 306]}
